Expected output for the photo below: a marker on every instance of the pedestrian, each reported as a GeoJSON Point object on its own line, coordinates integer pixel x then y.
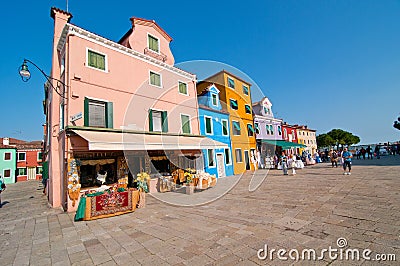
{"type": "Point", "coordinates": [283, 160]}
{"type": "Point", "coordinates": [293, 164]}
{"type": "Point", "coordinates": [358, 153]}
{"type": "Point", "coordinates": [2, 188]}
{"type": "Point", "coordinates": [334, 158]}
{"type": "Point", "coordinates": [377, 152]}
{"type": "Point", "coordinates": [347, 161]}
{"type": "Point", "coordinates": [363, 152]}
{"type": "Point", "coordinates": [369, 152]}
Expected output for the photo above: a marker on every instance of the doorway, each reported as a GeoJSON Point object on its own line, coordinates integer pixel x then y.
{"type": "Point", "coordinates": [247, 159]}
{"type": "Point", "coordinates": [220, 165]}
{"type": "Point", "coordinates": [31, 173]}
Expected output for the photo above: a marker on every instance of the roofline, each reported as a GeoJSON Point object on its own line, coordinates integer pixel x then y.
{"type": "Point", "coordinates": [162, 31]}
{"type": "Point", "coordinates": [228, 73]}
{"type": "Point", "coordinates": [61, 11]}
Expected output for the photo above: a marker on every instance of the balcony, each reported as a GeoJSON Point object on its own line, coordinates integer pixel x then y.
{"type": "Point", "coordinates": [159, 56]}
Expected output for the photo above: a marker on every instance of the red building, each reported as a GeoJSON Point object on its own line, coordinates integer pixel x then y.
{"type": "Point", "coordinates": [289, 132]}
{"type": "Point", "coordinates": [29, 161]}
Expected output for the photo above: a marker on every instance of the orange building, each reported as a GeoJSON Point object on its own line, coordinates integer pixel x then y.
{"type": "Point", "coordinates": [235, 97]}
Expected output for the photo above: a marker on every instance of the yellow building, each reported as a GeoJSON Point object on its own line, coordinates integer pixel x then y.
{"type": "Point", "coordinates": [307, 137]}
{"type": "Point", "coordinates": [235, 97]}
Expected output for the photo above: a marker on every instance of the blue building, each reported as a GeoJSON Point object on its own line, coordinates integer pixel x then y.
{"type": "Point", "coordinates": [214, 124]}
{"type": "Point", "coordinates": [8, 161]}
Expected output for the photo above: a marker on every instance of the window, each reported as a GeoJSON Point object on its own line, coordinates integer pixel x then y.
{"type": "Point", "coordinates": [293, 135]}
{"type": "Point", "coordinates": [267, 128]}
{"type": "Point", "coordinates": [234, 104]}
{"type": "Point", "coordinates": [7, 156]}
{"type": "Point", "coordinates": [271, 127]}
{"type": "Point", "coordinates": [209, 124]}
{"type": "Point", "coordinates": [238, 155]}
{"type": "Point", "coordinates": [280, 130]}
{"type": "Point", "coordinates": [227, 156]}
{"type": "Point", "coordinates": [225, 127]}
{"type": "Point", "coordinates": [21, 156]}
{"type": "Point", "coordinates": [214, 99]}
{"type": "Point", "coordinates": [155, 79]}
{"type": "Point", "coordinates": [231, 83]}
{"type": "Point", "coordinates": [266, 110]}
{"type": "Point", "coordinates": [257, 129]}
{"type": "Point", "coordinates": [153, 43]}
{"type": "Point", "coordinates": [7, 173]}
{"type": "Point", "coordinates": [158, 121]}
{"type": "Point", "coordinates": [62, 123]}
{"type": "Point", "coordinates": [21, 171]}
{"type": "Point", "coordinates": [250, 130]}
{"type": "Point", "coordinates": [185, 122]}
{"type": "Point", "coordinates": [40, 156]}
{"type": "Point", "coordinates": [39, 170]}
{"type": "Point", "coordinates": [98, 113]}
{"type": "Point", "coordinates": [210, 155]}
{"type": "Point", "coordinates": [96, 60]}
{"type": "Point", "coordinates": [236, 128]}
{"type": "Point", "coordinates": [247, 109]}
{"type": "Point", "coordinates": [245, 90]}
{"type": "Point", "coordinates": [285, 133]}
{"type": "Point", "coordinates": [183, 88]}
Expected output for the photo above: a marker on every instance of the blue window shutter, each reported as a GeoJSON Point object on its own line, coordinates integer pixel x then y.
{"type": "Point", "coordinates": [110, 115]}
{"type": "Point", "coordinates": [86, 112]}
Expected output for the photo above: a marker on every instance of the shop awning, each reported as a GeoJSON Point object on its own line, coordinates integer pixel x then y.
{"type": "Point", "coordinates": [99, 140]}
{"type": "Point", "coordinates": [284, 144]}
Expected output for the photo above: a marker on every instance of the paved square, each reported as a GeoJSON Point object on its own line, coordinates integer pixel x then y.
{"type": "Point", "coordinates": [308, 211]}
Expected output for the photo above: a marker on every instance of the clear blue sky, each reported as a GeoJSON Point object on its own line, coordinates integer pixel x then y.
{"type": "Point", "coordinates": [327, 64]}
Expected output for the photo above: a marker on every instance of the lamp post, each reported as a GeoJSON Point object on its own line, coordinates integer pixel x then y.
{"type": "Point", "coordinates": [25, 75]}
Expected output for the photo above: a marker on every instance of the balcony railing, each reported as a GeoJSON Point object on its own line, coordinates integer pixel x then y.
{"type": "Point", "coordinates": [160, 56]}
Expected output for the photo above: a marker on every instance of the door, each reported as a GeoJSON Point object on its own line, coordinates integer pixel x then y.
{"type": "Point", "coordinates": [31, 173]}
{"type": "Point", "coordinates": [247, 159]}
{"type": "Point", "coordinates": [220, 165]}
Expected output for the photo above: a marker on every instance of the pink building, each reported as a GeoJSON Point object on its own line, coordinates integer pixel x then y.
{"type": "Point", "coordinates": [124, 105]}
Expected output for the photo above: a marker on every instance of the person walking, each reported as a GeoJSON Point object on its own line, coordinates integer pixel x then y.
{"type": "Point", "coordinates": [369, 152]}
{"type": "Point", "coordinates": [377, 152]}
{"type": "Point", "coordinates": [346, 161]}
{"type": "Point", "coordinates": [284, 163]}
{"type": "Point", "coordinates": [2, 188]}
{"type": "Point", "coordinates": [334, 158]}
{"type": "Point", "coordinates": [294, 164]}
{"type": "Point", "coordinates": [363, 152]}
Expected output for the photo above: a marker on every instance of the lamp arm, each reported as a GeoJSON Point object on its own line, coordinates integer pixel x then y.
{"type": "Point", "coordinates": [48, 78]}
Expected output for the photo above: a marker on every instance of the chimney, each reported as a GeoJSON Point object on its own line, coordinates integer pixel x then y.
{"type": "Point", "coordinates": [6, 141]}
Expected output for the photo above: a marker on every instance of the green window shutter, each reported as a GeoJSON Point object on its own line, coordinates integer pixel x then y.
{"type": "Point", "coordinates": [164, 121]}
{"type": "Point", "coordinates": [248, 109]}
{"type": "Point", "coordinates": [185, 124]}
{"type": "Point", "coordinates": [150, 120]}
{"type": "Point", "coordinates": [86, 112]}
{"type": "Point", "coordinates": [224, 128]}
{"type": "Point", "coordinates": [182, 88]}
{"type": "Point", "coordinates": [110, 115]}
{"type": "Point", "coordinates": [208, 125]}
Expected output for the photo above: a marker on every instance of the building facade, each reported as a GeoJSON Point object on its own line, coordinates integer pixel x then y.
{"type": "Point", "coordinates": [29, 161]}
{"type": "Point", "coordinates": [8, 161]}
{"type": "Point", "coordinates": [306, 137]}
{"type": "Point", "coordinates": [214, 124]}
{"type": "Point", "coordinates": [235, 97]}
{"type": "Point", "coordinates": [122, 108]}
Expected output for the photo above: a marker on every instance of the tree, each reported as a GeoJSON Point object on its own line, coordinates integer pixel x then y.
{"type": "Point", "coordinates": [338, 137]}
{"type": "Point", "coordinates": [324, 140]}
{"type": "Point", "coordinates": [397, 123]}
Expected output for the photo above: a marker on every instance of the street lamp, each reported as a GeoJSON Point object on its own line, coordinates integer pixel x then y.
{"type": "Point", "coordinates": [25, 75]}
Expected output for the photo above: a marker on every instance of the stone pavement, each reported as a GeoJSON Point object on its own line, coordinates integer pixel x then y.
{"type": "Point", "coordinates": [308, 211]}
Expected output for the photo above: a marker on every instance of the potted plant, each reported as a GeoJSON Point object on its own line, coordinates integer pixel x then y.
{"type": "Point", "coordinates": [189, 181]}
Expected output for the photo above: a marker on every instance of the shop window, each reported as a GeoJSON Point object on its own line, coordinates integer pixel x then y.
{"type": "Point", "coordinates": [236, 128]}
{"type": "Point", "coordinates": [22, 171]}
{"type": "Point", "coordinates": [158, 121]}
{"type": "Point", "coordinates": [98, 113]}
{"type": "Point", "coordinates": [238, 155]}
{"type": "Point", "coordinates": [185, 123]}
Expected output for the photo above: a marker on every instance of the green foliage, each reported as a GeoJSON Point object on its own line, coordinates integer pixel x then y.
{"type": "Point", "coordinates": [397, 123]}
{"type": "Point", "coordinates": [337, 136]}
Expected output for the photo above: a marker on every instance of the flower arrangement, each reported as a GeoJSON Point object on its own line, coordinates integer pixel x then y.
{"type": "Point", "coordinates": [189, 175]}
{"type": "Point", "coordinates": [142, 179]}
